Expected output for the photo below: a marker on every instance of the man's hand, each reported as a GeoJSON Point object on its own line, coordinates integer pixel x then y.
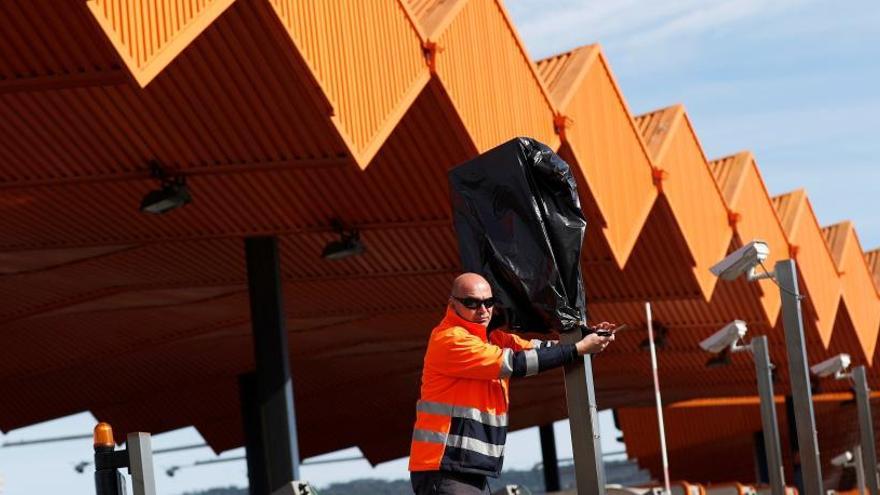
{"type": "Point", "coordinates": [593, 343]}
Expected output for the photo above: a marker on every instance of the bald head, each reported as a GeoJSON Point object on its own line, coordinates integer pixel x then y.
{"type": "Point", "coordinates": [469, 287]}
{"type": "Point", "coordinates": [468, 284]}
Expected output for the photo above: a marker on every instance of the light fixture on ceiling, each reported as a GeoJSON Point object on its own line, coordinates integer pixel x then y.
{"type": "Point", "coordinates": [349, 243]}
{"type": "Point", "coordinates": [660, 334]}
{"type": "Point", "coordinates": [172, 193]}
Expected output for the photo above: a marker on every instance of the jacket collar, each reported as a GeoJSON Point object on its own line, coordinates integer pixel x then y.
{"type": "Point", "coordinates": [453, 320]}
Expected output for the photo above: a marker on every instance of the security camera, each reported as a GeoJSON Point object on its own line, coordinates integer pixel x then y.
{"type": "Point", "coordinates": [833, 366]}
{"type": "Point", "coordinates": [726, 337]}
{"type": "Point", "coordinates": [743, 260]}
{"type": "Point", "coordinates": [842, 459]}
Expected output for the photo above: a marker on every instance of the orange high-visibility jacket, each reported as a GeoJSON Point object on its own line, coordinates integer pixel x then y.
{"type": "Point", "coordinates": [461, 417]}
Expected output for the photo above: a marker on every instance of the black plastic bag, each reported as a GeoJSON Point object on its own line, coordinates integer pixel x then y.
{"type": "Point", "coordinates": [519, 223]}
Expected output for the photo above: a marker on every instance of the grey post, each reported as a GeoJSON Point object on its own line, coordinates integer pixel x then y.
{"type": "Point", "coordinates": [769, 425]}
{"type": "Point", "coordinates": [274, 388]}
{"type": "Point", "coordinates": [583, 419]}
{"type": "Point", "coordinates": [866, 428]}
{"type": "Point", "coordinates": [859, 465]}
{"type": "Point", "coordinates": [792, 319]}
{"type": "Point", "coordinates": [140, 464]}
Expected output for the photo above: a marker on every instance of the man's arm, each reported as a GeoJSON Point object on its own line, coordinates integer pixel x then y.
{"type": "Point", "coordinates": [455, 352]}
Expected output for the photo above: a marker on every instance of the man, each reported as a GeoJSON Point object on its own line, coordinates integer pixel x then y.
{"type": "Point", "coordinates": [461, 417]}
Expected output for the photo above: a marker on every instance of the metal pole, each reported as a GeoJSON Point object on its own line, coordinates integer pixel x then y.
{"type": "Point", "coordinates": [664, 457]}
{"type": "Point", "coordinates": [258, 476]}
{"type": "Point", "coordinates": [274, 384]}
{"type": "Point", "coordinates": [866, 428]}
{"type": "Point", "coordinates": [140, 455]}
{"type": "Point", "coordinates": [859, 464]}
{"type": "Point", "coordinates": [770, 427]}
{"type": "Point", "coordinates": [792, 319]}
{"type": "Point", "coordinates": [548, 455]}
{"type": "Point", "coordinates": [583, 419]}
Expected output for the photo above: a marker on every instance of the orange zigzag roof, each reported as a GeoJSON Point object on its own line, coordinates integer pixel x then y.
{"type": "Point", "coordinates": [284, 115]}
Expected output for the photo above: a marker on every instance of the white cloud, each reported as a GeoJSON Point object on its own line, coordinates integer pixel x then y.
{"type": "Point", "coordinates": [632, 23]}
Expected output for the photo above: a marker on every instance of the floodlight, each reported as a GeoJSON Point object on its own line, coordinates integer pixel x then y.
{"type": "Point", "coordinates": [726, 338]}
{"type": "Point", "coordinates": [172, 193]}
{"type": "Point", "coordinates": [836, 366]}
{"type": "Point", "coordinates": [741, 261]}
{"type": "Point", "coordinates": [349, 243]}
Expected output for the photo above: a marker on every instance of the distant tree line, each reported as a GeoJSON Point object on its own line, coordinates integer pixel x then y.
{"type": "Point", "coordinates": [623, 472]}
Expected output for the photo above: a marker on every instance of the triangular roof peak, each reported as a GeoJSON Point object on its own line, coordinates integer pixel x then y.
{"type": "Point", "coordinates": [656, 126]}
{"type": "Point", "coordinates": [730, 172]}
{"type": "Point", "coordinates": [789, 207]}
{"type": "Point", "coordinates": [837, 236]}
{"type": "Point", "coordinates": [563, 73]}
{"type": "Point", "coordinates": [872, 258]}
{"type": "Point", "coordinates": [432, 16]}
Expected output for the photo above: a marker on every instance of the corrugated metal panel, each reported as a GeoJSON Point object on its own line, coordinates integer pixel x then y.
{"type": "Point", "coordinates": [692, 432]}
{"type": "Point", "coordinates": [490, 80]}
{"type": "Point", "coordinates": [344, 43]}
{"type": "Point", "coordinates": [873, 260]}
{"type": "Point", "coordinates": [433, 16]}
{"type": "Point", "coordinates": [820, 277]}
{"type": "Point", "coordinates": [199, 114]}
{"type": "Point", "coordinates": [12, 262]}
{"type": "Point", "coordinates": [41, 48]}
{"type": "Point", "coordinates": [856, 284]}
{"type": "Point", "coordinates": [605, 145]}
{"type": "Point", "coordinates": [248, 119]}
{"type": "Point", "coordinates": [149, 35]}
{"type": "Point", "coordinates": [659, 266]}
{"type": "Point", "coordinates": [690, 188]}
{"type": "Point", "coordinates": [563, 74]}
{"type": "Point", "coordinates": [746, 195]}
{"type": "Point", "coordinates": [654, 127]}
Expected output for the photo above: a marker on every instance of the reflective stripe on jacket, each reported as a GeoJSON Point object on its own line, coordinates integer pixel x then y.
{"type": "Point", "coordinates": [461, 417]}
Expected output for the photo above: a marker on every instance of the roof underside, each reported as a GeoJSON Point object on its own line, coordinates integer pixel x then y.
{"type": "Point", "coordinates": [145, 320]}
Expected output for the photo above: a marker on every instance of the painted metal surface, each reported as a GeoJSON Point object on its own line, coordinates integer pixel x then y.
{"type": "Point", "coordinates": [595, 122]}
{"type": "Point", "coordinates": [489, 78]}
{"type": "Point", "coordinates": [753, 216]}
{"type": "Point", "coordinates": [820, 277]}
{"type": "Point", "coordinates": [855, 284]}
{"type": "Point", "coordinates": [287, 114]}
{"type": "Point", "coordinates": [691, 190]}
{"type": "Point", "coordinates": [149, 35]}
{"type": "Point", "coordinates": [366, 56]}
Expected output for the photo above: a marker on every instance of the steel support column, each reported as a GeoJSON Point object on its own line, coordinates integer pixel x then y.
{"type": "Point", "coordinates": [866, 428]}
{"type": "Point", "coordinates": [859, 465]}
{"type": "Point", "coordinates": [258, 477]}
{"type": "Point", "coordinates": [274, 388]}
{"type": "Point", "coordinates": [548, 455]}
{"type": "Point", "coordinates": [799, 373]}
{"type": "Point", "coordinates": [583, 419]}
{"type": "Point", "coordinates": [772, 449]}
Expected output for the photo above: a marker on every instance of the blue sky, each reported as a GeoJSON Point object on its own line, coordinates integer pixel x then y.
{"type": "Point", "coordinates": [797, 82]}
{"type": "Point", "coordinates": [794, 81]}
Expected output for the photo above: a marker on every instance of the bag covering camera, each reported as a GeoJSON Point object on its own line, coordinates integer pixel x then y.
{"type": "Point", "coordinates": [519, 223]}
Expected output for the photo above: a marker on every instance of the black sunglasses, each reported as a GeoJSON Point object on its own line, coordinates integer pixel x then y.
{"type": "Point", "coordinates": [472, 303]}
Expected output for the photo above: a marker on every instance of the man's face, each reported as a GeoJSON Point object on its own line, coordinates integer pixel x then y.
{"type": "Point", "coordinates": [472, 292]}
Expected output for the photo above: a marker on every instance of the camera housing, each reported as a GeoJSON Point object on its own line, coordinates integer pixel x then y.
{"type": "Point", "coordinates": [723, 339]}
{"type": "Point", "coordinates": [836, 366]}
{"type": "Point", "coordinates": [843, 459]}
{"type": "Point", "coordinates": [741, 261]}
